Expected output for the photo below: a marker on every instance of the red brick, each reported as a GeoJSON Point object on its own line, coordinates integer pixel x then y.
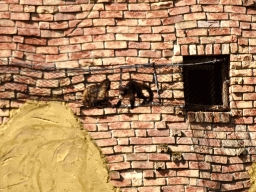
{"type": "Point", "coordinates": [132, 14]}
{"type": "Point", "coordinates": [123, 133]}
{"type": "Point", "coordinates": [47, 50]}
{"type": "Point", "coordinates": [137, 7]}
{"type": "Point", "coordinates": [42, 17]}
{"type": "Point", "coordinates": [157, 181]}
{"type": "Point", "coordinates": [116, 6]}
{"type": "Point", "coordinates": [14, 8]}
{"type": "Point", "coordinates": [234, 9]}
{"type": "Point", "coordinates": [127, 22]}
{"type": "Point", "coordinates": [107, 37]}
{"type": "Point", "coordinates": [149, 22]}
{"type": "Point", "coordinates": [103, 53]}
{"type": "Point", "coordinates": [127, 37]}
{"type": "Point", "coordinates": [232, 186]}
{"type": "Point", "coordinates": [208, 24]}
{"type": "Point", "coordinates": [240, 17]}
{"type": "Point", "coordinates": [5, 15]}
{"type": "Point", "coordinates": [50, 33]}
{"type": "Point", "coordinates": [194, 189]}
{"type": "Point", "coordinates": [29, 32]}
{"type": "Point", "coordinates": [217, 16]}
{"type": "Point", "coordinates": [103, 22]}
{"type": "Point", "coordinates": [6, 23]}
{"type": "Point", "coordinates": [157, 14]}
{"type": "Point", "coordinates": [73, 40]}
{"type": "Point", "coordinates": [123, 183]}
{"type": "Point", "coordinates": [178, 10]}
{"type": "Point", "coordinates": [47, 83]}
{"type": "Point", "coordinates": [70, 8]}
{"type": "Point", "coordinates": [31, 2]}
{"type": "Point", "coordinates": [219, 31]}
{"type": "Point", "coordinates": [163, 29]}
{"type": "Point", "coordinates": [209, 184]}
{"type": "Point", "coordinates": [120, 166]}
{"type": "Point", "coordinates": [11, 46]}
{"type": "Point", "coordinates": [35, 41]}
{"type": "Point", "coordinates": [151, 37]}
{"type": "Point", "coordinates": [213, 8]}
{"type": "Point", "coordinates": [128, 52]}
{"type": "Point", "coordinates": [142, 165]}
{"type": "Point", "coordinates": [111, 14]}
{"type": "Point", "coordinates": [20, 16]}
{"type": "Point", "coordinates": [231, 2]}
{"type": "Point", "coordinates": [106, 142]}
{"type": "Point", "coordinates": [116, 45]}
{"type": "Point", "coordinates": [173, 188]}
{"type": "Point", "coordinates": [27, 48]}
{"type": "Point", "coordinates": [150, 54]}
{"type": "Point", "coordinates": [249, 96]}
{"type": "Point", "coordinates": [58, 25]}
{"type": "Point", "coordinates": [209, 1]}
{"type": "Point", "coordinates": [136, 157]}
{"type": "Point", "coordinates": [139, 45]}
{"type": "Point", "coordinates": [159, 157]}
{"type": "Point", "coordinates": [140, 141]}
{"type": "Point", "coordinates": [173, 20]}
{"type": "Point", "coordinates": [148, 189]}
{"type": "Point", "coordinates": [161, 5]}
{"type": "Point", "coordinates": [194, 16]}
{"type": "Point", "coordinates": [64, 16]}
{"type": "Point", "coordinates": [188, 173]}
{"type": "Point", "coordinates": [185, 2]}
{"type": "Point", "coordinates": [197, 32]}
{"type": "Point", "coordinates": [16, 87]}
{"type": "Point", "coordinates": [188, 40]}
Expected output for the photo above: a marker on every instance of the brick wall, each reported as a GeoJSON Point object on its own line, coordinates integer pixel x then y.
{"type": "Point", "coordinates": [81, 34]}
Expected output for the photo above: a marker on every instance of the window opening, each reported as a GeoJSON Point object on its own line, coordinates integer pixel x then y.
{"type": "Point", "coordinates": [206, 85]}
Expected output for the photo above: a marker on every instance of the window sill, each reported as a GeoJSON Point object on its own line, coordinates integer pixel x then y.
{"type": "Point", "coordinates": [208, 117]}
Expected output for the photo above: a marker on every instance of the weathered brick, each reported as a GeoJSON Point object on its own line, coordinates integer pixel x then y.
{"type": "Point", "coordinates": [157, 181]}
{"type": "Point", "coordinates": [70, 8]}
{"type": "Point", "coordinates": [161, 5]}
{"type": "Point", "coordinates": [194, 16]}
{"type": "Point", "coordinates": [172, 20]}
{"type": "Point", "coordinates": [217, 16]}
{"type": "Point", "coordinates": [196, 32]}
{"type": "Point", "coordinates": [103, 22]}
{"type": "Point", "coordinates": [213, 8]}
{"type": "Point", "coordinates": [219, 31]}
{"type": "Point", "coordinates": [188, 40]}
{"type": "Point", "coordinates": [116, 45]}
{"type": "Point", "coordinates": [149, 22]}
{"type": "Point", "coordinates": [20, 16]}
{"type": "Point", "coordinates": [142, 165]}
{"type": "Point", "coordinates": [119, 166]}
{"type": "Point", "coordinates": [208, 24]}
{"type": "Point", "coordinates": [234, 9]}
{"type": "Point", "coordinates": [186, 25]}
{"type": "Point", "coordinates": [231, 2]}
{"type": "Point", "coordinates": [209, 1]}
{"type": "Point", "coordinates": [178, 10]}
{"type": "Point", "coordinates": [111, 14]}
{"type": "Point", "coordinates": [116, 6]}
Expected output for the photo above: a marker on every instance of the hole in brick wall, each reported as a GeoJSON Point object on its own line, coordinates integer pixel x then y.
{"type": "Point", "coordinates": [206, 85]}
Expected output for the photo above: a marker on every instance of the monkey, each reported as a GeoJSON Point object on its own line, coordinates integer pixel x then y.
{"type": "Point", "coordinates": [132, 88]}
{"type": "Point", "coordinates": [95, 95]}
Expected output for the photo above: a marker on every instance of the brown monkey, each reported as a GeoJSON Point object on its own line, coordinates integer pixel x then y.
{"type": "Point", "coordinates": [132, 88]}
{"type": "Point", "coordinates": [95, 95]}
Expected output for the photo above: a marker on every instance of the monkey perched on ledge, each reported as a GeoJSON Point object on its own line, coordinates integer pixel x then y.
{"type": "Point", "coordinates": [95, 95]}
{"type": "Point", "coordinates": [132, 88]}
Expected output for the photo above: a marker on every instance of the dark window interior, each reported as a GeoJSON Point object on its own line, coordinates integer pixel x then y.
{"type": "Point", "coordinates": [203, 83]}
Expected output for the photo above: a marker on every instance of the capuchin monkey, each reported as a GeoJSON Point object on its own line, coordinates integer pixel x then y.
{"type": "Point", "coordinates": [132, 88]}
{"type": "Point", "coordinates": [95, 95]}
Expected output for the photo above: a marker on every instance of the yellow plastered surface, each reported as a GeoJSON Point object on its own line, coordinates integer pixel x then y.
{"type": "Point", "coordinates": [43, 149]}
{"type": "Point", "coordinates": [252, 173]}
